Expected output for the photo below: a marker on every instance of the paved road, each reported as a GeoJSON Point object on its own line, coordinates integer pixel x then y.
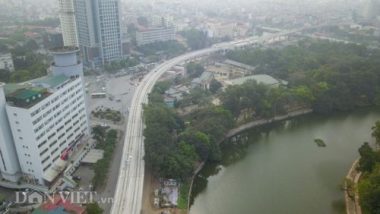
{"type": "Point", "coordinates": [128, 195]}
{"type": "Point", "coordinates": [261, 122]}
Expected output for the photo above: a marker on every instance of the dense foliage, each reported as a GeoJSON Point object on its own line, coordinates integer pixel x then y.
{"type": "Point", "coordinates": [368, 158]}
{"type": "Point", "coordinates": [369, 189]}
{"type": "Point", "coordinates": [106, 140]}
{"type": "Point", "coordinates": [197, 96]}
{"type": "Point", "coordinates": [117, 65]}
{"type": "Point", "coordinates": [173, 149]}
{"type": "Point", "coordinates": [194, 70]}
{"type": "Point", "coordinates": [376, 132]}
{"type": "Point", "coordinates": [256, 100]}
{"type": "Point", "coordinates": [369, 184]}
{"type": "Point", "coordinates": [196, 39]}
{"type": "Point", "coordinates": [324, 76]}
{"type": "Point", "coordinates": [49, 22]}
{"type": "Point", "coordinates": [93, 208]}
{"type": "Point", "coordinates": [107, 114]}
{"type": "Point", "coordinates": [28, 64]}
{"type": "Point", "coordinates": [330, 76]}
{"type": "Point", "coordinates": [169, 48]}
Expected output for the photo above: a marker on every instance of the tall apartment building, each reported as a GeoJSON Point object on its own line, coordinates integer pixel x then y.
{"type": "Point", "coordinates": [9, 164]}
{"type": "Point", "coordinates": [99, 30]}
{"type": "Point", "coordinates": [68, 24]}
{"type": "Point", "coordinates": [152, 35]}
{"type": "Point", "coordinates": [47, 118]}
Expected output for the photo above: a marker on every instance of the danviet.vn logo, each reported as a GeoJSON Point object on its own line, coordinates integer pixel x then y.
{"type": "Point", "coordinates": [74, 197]}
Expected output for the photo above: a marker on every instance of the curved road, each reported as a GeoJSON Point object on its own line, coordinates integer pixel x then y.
{"type": "Point", "coordinates": [129, 189]}
{"type": "Point", "coordinates": [128, 195]}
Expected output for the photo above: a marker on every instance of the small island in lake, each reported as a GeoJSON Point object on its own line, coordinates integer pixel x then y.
{"type": "Point", "coordinates": [320, 142]}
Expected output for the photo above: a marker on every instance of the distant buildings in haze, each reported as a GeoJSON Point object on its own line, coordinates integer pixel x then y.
{"type": "Point", "coordinates": [68, 24]}
{"type": "Point", "coordinates": [152, 35]}
{"type": "Point", "coordinates": [99, 31]}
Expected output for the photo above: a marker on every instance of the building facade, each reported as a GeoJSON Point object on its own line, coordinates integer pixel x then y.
{"type": "Point", "coordinates": [9, 164]}
{"type": "Point", "coordinates": [68, 24]}
{"type": "Point", "coordinates": [152, 35]}
{"type": "Point", "coordinates": [99, 31]}
{"type": "Point", "coordinates": [48, 118]}
{"type": "Point", "coordinates": [6, 62]}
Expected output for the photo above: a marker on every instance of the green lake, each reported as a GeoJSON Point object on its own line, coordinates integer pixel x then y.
{"type": "Point", "coordinates": [279, 169]}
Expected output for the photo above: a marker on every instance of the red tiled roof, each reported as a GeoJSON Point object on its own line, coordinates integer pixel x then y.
{"type": "Point", "coordinates": [57, 201]}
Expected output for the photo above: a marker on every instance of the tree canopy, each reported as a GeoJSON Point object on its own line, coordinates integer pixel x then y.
{"type": "Point", "coordinates": [194, 69]}
{"type": "Point", "coordinates": [376, 132]}
{"type": "Point", "coordinates": [173, 149]}
{"type": "Point", "coordinates": [169, 48]}
{"type": "Point", "coordinates": [369, 189]}
{"type": "Point", "coordinates": [196, 39]}
{"type": "Point", "coordinates": [327, 76]}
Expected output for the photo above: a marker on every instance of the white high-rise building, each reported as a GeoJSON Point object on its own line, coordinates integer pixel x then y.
{"type": "Point", "coordinates": [68, 24]}
{"type": "Point", "coordinates": [48, 118]}
{"type": "Point", "coordinates": [99, 30]}
{"type": "Point", "coordinates": [9, 165]}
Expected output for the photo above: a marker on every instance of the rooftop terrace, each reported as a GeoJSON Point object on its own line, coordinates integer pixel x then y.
{"type": "Point", "coordinates": [27, 94]}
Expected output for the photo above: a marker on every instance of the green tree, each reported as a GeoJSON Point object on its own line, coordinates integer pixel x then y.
{"type": "Point", "coordinates": [369, 190]}
{"type": "Point", "coordinates": [368, 158]}
{"type": "Point", "coordinates": [169, 48]}
{"type": "Point", "coordinates": [196, 39]}
{"type": "Point", "coordinates": [215, 85]}
{"type": "Point", "coordinates": [194, 69]}
{"type": "Point", "coordinates": [31, 45]}
{"type": "Point", "coordinates": [93, 208]}
{"type": "Point", "coordinates": [199, 140]}
{"type": "Point", "coordinates": [4, 75]}
{"type": "Point", "coordinates": [99, 133]}
{"type": "Point", "coordinates": [303, 94]}
{"type": "Point", "coordinates": [376, 132]}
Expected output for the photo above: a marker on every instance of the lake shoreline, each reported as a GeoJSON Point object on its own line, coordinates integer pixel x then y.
{"type": "Point", "coordinates": [323, 125]}
{"type": "Point", "coordinates": [352, 202]}
{"type": "Point", "coordinates": [244, 127]}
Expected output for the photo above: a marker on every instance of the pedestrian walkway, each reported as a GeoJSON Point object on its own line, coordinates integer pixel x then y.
{"type": "Point", "coordinates": [352, 201]}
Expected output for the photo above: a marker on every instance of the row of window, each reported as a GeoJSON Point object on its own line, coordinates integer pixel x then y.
{"type": "Point", "coordinates": [35, 112]}
{"type": "Point", "coordinates": [47, 167]}
{"type": "Point", "coordinates": [59, 120]}
{"type": "Point", "coordinates": [61, 128]}
{"type": "Point", "coordinates": [63, 134]}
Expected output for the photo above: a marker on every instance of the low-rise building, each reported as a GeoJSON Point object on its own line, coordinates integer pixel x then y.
{"type": "Point", "coordinates": [260, 79]}
{"type": "Point", "coordinates": [6, 62]}
{"type": "Point", "coordinates": [152, 35]}
{"type": "Point", "coordinates": [230, 69]}
{"type": "Point", "coordinates": [239, 65]}
{"type": "Point", "coordinates": [175, 94]}
{"type": "Point", "coordinates": [203, 81]}
{"type": "Point", "coordinates": [59, 205]}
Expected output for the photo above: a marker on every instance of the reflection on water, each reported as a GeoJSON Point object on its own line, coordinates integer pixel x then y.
{"type": "Point", "coordinates": [278, 168]}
